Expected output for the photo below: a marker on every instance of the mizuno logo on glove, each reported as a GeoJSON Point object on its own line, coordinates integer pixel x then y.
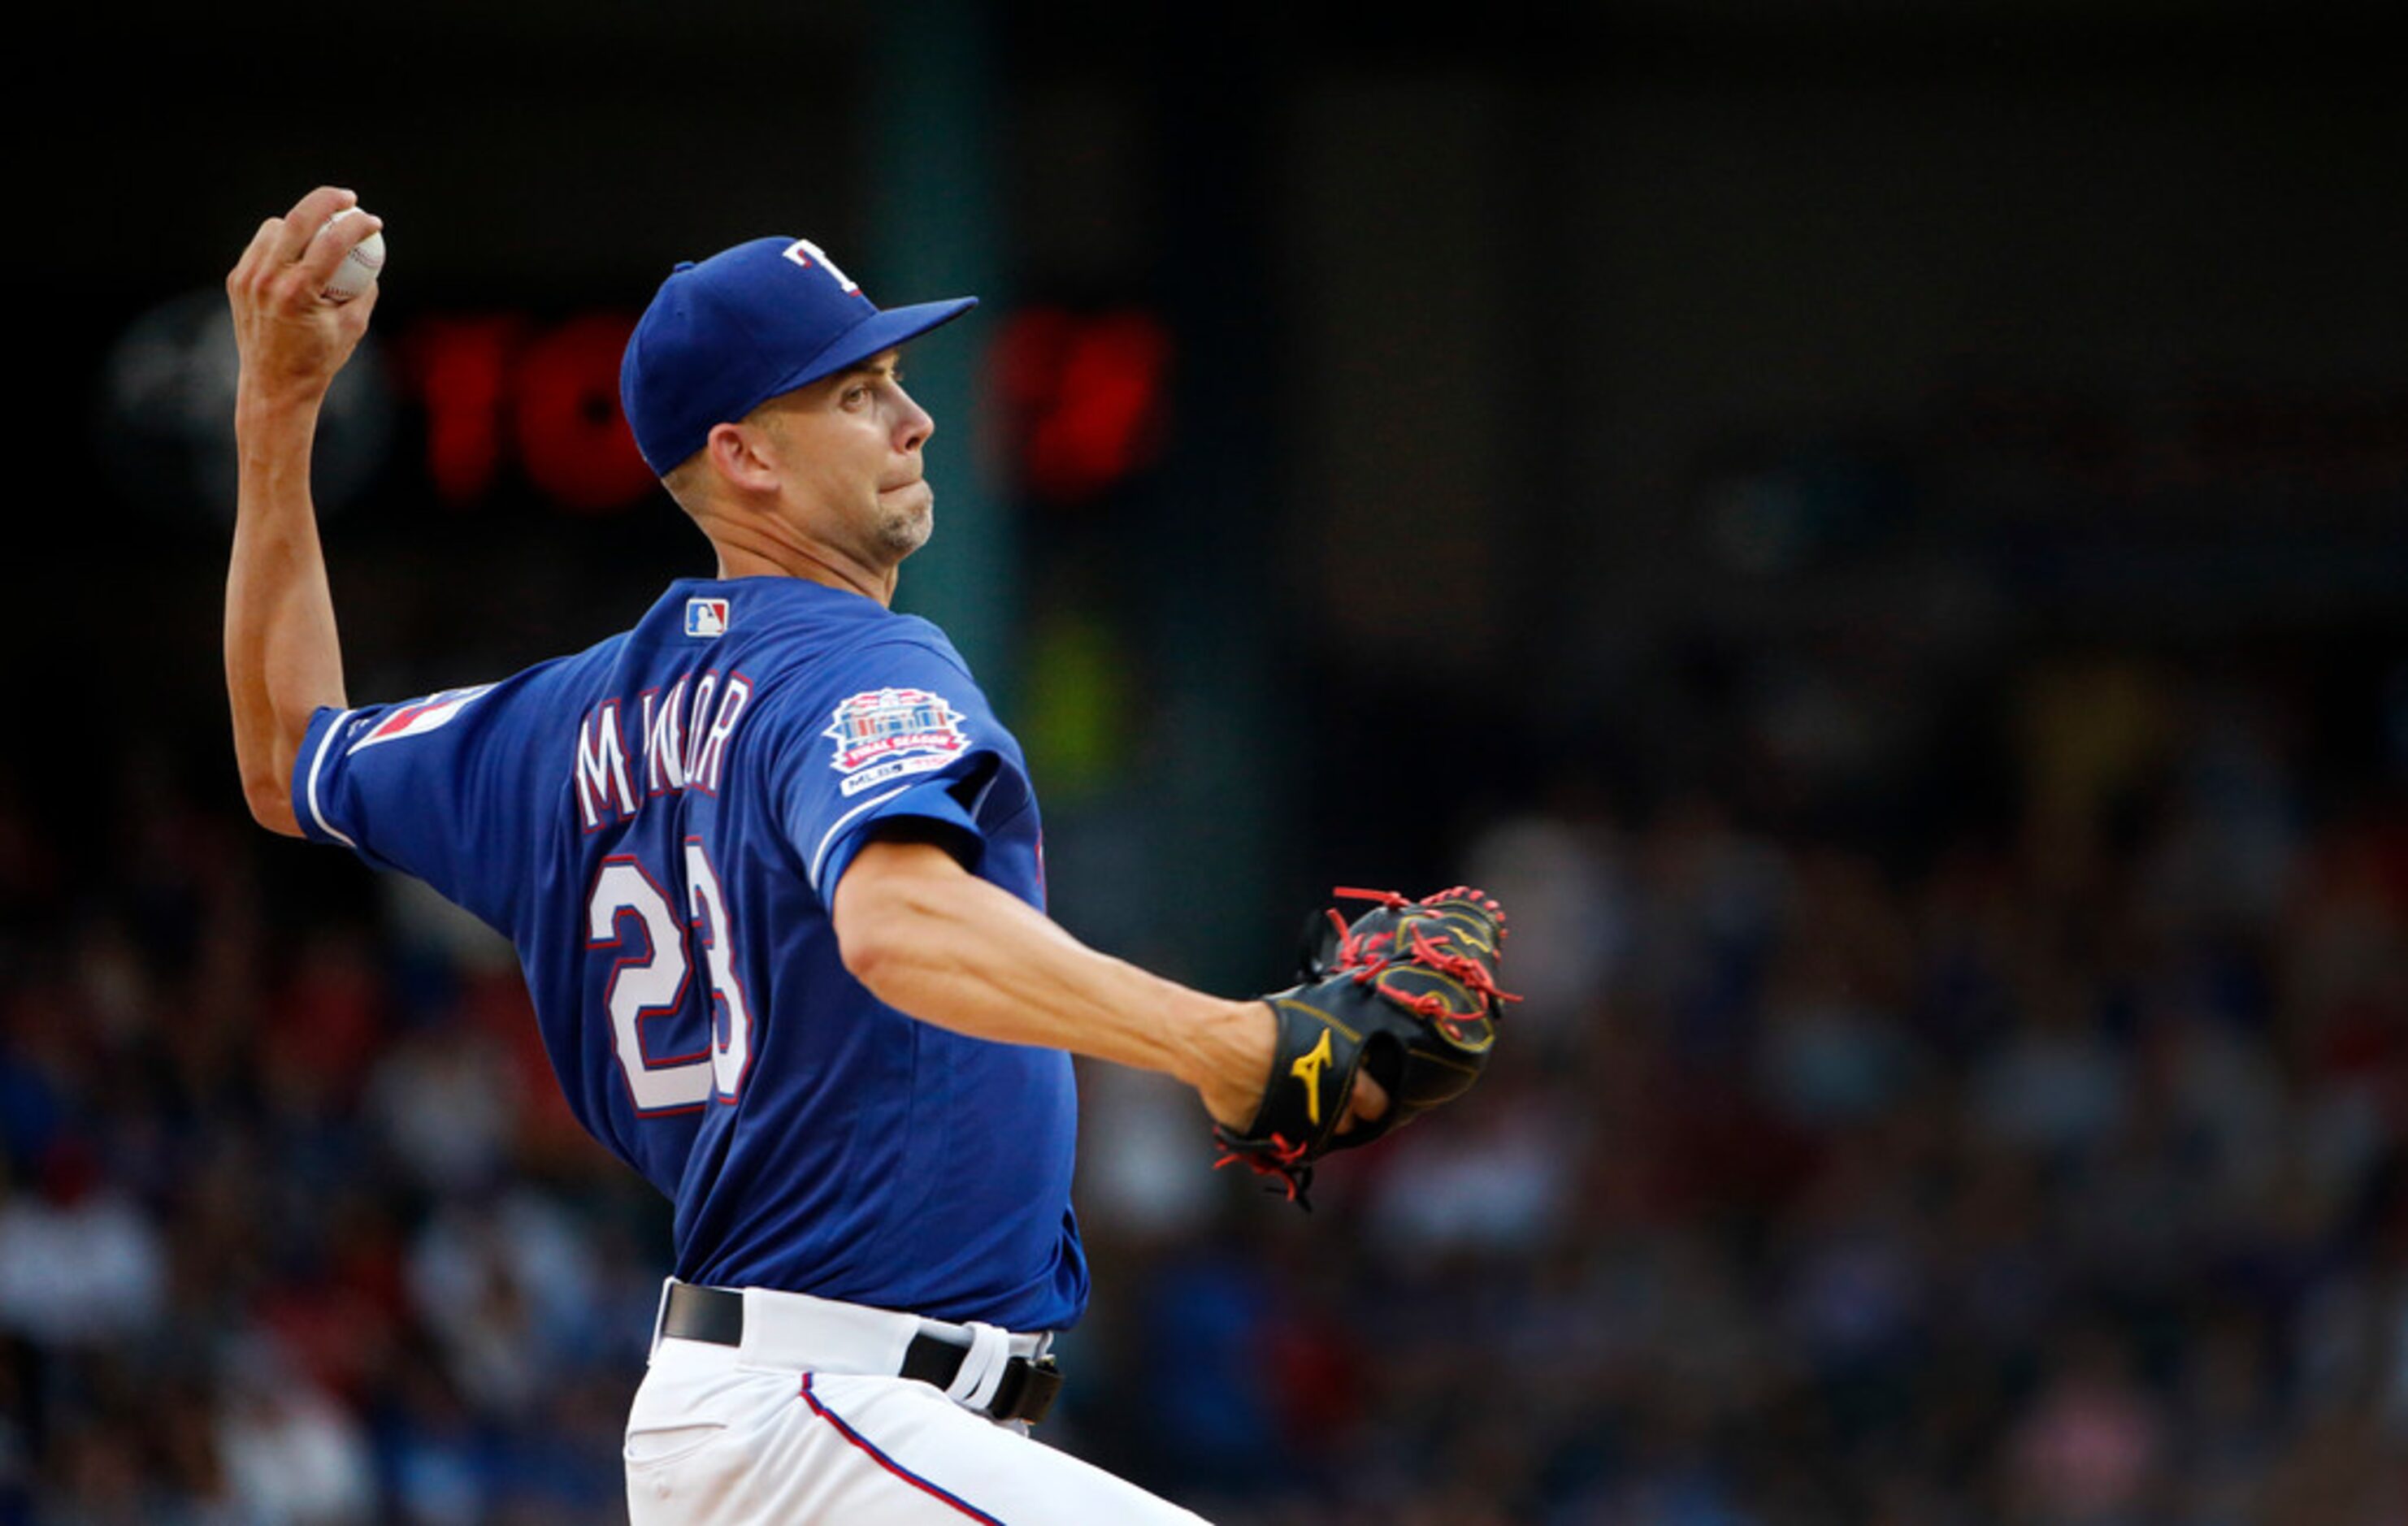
{"type": "Point", "coordinates": [1307, 1069]}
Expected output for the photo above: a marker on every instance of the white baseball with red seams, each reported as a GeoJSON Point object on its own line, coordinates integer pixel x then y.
{"type": "Point", "coordinates": [359, 268]}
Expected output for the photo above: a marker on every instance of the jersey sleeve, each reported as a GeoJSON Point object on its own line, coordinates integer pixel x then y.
{"type": "Point", "coordinates": [903, 734]}
{"type": "Point", "coordinates": [436, 787]}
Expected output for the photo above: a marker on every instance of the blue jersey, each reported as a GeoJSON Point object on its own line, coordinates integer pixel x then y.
{"type": "Point", "coordinates": [658, 825]}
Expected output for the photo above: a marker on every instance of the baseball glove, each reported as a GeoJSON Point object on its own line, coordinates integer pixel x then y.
{"type": "Point", "coordinates": [1408, 993]}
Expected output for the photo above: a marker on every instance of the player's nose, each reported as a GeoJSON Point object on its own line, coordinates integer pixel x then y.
{"type": "Point", "coordinates": [912, 425]}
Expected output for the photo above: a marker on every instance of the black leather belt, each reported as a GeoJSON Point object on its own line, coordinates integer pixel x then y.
{"type": "Point", "coordinates": [717, 1315]}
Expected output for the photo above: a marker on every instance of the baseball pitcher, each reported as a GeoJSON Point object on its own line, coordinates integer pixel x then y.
{"type": "Point", "coordinates": [771, 865]}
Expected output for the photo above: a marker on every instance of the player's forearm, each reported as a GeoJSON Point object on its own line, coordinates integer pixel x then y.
{"type": "Point", "coordinates": [283, 658]}
{"type": "Point", "coordinates": [954, 950]}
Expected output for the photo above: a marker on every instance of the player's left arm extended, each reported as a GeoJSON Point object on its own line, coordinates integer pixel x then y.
{"type": "Point", "coordinates": [929, 938]}
{"type": "Point", "coordinates": [283, 658]}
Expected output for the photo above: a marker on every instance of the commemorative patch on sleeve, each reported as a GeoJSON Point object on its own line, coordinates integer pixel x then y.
{"type": "Point", "coordinates": [889, 733]}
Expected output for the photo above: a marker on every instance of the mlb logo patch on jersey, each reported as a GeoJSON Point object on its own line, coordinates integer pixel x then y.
{"type": "Point", "coordinates": [420, 717]}
{"type": "Point", "coordinates": [705, 618]}
{"type": "Point", "coordinates": [886, 734]}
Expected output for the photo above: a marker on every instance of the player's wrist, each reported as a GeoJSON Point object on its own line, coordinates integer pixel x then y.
{"type": "Point", "coordinates": [275, 413]}
{"type": "Point", "coordinates": [1227, 1058]}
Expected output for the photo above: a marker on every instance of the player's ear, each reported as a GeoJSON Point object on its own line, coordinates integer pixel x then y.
{"type": "Point", "coordinates": [742, 456]}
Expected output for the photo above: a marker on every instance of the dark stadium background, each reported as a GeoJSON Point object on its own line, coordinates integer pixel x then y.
{"type": "Point", "coordinates": [1881, 533]}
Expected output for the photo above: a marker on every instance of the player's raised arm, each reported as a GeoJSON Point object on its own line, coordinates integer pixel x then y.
{"type": "Point", "coordinates": [282, 656]}
{"type": "Point", "coordinates": [929, 938]}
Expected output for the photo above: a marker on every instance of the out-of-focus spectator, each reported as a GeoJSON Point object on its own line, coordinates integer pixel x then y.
{"type": "Point", "coordinates": [2056, 1087]}
{"type": "Point", "coordinates": [80, 1263]}
{"type": "Point", "coordinates": [291, 1455]}
{"type": "Point", "coordinates": [1499, 1179]}
{"type": "Point", "coordinates": [443, 1100]}
{"type": "Point", "coordinates": [1571, 927]}
{"type": "Point", "coordinates": [2090, 1450]}
{"type": "Point", "coordinates": [508, 1286]}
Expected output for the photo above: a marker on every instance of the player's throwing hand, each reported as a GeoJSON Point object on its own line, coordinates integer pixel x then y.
{"type": "Point", "coordinates": [292, 340]}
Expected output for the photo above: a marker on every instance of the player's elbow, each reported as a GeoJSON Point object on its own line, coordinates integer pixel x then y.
{"type": "Point", "coordinates": [867, 957]}
{"type": "Point", "coordinates": [264, 754]}
{"type": "Point", "coordinates": [271, 806]}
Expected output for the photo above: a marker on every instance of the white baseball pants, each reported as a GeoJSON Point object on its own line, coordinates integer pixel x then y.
{"type": "Point", "coordinates": [805, 1422]}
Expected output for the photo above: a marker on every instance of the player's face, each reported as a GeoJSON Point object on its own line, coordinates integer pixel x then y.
{"type": "Point", "coordinates": [852, 462]}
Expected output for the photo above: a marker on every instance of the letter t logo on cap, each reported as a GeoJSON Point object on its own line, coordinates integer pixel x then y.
{"type": "Point", "coordinates": [803, 251]}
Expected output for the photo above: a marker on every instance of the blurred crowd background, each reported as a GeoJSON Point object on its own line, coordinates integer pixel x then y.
{"type": "Point", "coordinates": [1881, 537]}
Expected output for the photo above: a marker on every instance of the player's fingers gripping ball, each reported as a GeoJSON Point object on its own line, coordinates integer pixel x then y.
{"type": "Point", "coordinates": [360, 266]}
{"type": "Point", "coordinates": [1408, 993]}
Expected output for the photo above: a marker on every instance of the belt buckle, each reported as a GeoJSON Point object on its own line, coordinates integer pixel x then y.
{"type": "Point", "coordinates": [1028, 1389]}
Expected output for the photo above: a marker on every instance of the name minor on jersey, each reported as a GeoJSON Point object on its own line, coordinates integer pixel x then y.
{"type": "Point", "coordinates": [681, 733]}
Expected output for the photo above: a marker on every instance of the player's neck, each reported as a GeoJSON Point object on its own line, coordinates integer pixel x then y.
{"type": "Point", "coordinates": [809, 564]}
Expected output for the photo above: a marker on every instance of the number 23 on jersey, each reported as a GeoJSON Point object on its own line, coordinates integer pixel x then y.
{"type": "Point", "coordinates": [649, 981]}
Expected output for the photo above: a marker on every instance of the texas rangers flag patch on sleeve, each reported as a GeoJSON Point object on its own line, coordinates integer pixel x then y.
{"type": "Point", "coordinates": [420, 716]}
{"type": "Point", "coordinates": [886, 734]}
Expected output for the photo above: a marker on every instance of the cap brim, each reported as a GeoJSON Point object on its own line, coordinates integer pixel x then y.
{"type": "Point", "coordinates": [874, 334]}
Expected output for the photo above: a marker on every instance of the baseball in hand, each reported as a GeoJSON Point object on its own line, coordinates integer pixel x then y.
{"type": "Point", "coordinates": [359, 267]}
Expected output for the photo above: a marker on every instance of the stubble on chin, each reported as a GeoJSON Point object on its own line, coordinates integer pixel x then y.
{"type": "Point", "coordinates": [903, 529]}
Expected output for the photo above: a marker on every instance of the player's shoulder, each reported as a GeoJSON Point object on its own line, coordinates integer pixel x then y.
{"type": "Point", "coordinates": [555, 691]}
{"type": "Point", "coordinates": [522, 698]}
{"type": "Point", "coordinates": [793, 634]}
{"type": "Point", "coordinates": [906, 641]}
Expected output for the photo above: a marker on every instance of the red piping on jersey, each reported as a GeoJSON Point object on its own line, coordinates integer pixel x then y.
{"type": "Point", "coordinates": [887, 1462]}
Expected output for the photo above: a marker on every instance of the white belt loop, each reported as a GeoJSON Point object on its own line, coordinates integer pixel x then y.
{"type": "Point", "coordinates": [983, 1369]}
{"type": "Point", "coordinates": [660, 1316]}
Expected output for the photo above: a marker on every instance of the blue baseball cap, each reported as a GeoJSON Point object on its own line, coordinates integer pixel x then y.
{"type": "Point", "coordinates": [725, 335]}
